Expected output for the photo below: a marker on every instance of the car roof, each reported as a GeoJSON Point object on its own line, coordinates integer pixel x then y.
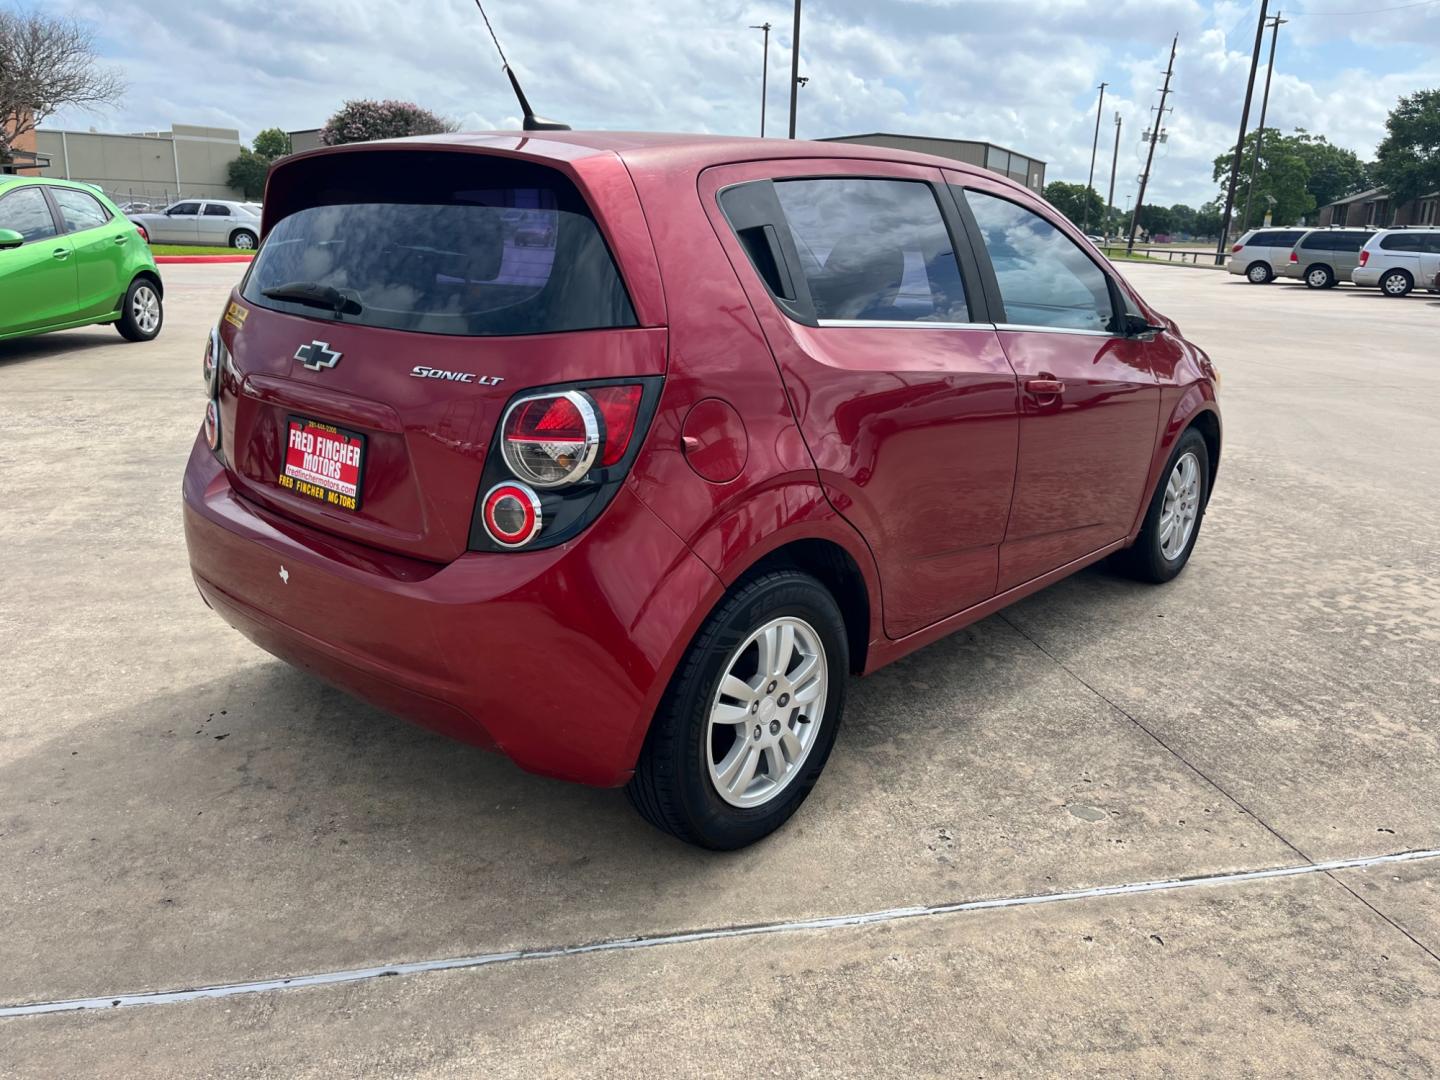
{"type": "Point", "coordinates": [662, 151]}
{"type": "Point", "coordinates": [7, 182]}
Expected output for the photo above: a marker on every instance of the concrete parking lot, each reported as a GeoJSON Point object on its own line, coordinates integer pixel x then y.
{"type": "Point", "coordinates": [180, 810]}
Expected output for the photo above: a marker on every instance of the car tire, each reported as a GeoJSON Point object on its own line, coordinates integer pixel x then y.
{"type": "Point", "coordinates": [718, 768]}
{"type": "Point", "coordinates": [1319, 276]}
{"type": "Point", "coordinates": [244, 240]}
{"type": "Point", "coordinates": [1259, 273]}
{"type": "Point", "coordinates": [142, 312]}
{"type": "Point", "coordinates": [1396, 283]}
{"type": "Point", "coordinates": [1179, 501]}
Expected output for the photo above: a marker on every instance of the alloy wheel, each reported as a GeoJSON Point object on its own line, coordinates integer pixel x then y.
{"type": "Point", "coordinates": [1181, 508]}
{"type": "Point", "coordinates": [1318, 279]}
{"type": "Point", "coordinates": [1259, 274]}
{"type": "Point", "coordinates": [244, 241]}
{"type": "Point", "coordinates": [145, 309]}
{"type": "Point", "coordinates": [1396, 284]}
{"type": "Point", "coordinates": [767, 712]}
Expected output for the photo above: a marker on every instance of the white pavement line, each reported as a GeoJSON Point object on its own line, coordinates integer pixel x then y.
{"type": "Point", "coordinates": [333, 978]}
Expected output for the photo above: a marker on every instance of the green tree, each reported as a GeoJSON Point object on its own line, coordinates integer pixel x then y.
{"type": "Point", "coordinates": [1282, 176]}
{"type": "Point", "coordinates": [1207, 219]}
{"type": "Point", "coordinates": [1182, 218]}
{"type": "Point", "coordinates": [1408, 161]}
{"type": "Point", "coordinates": [1334, 171]}
{"type": "Point", "coordinates": [1071, 200]}
{"type": "Point", "coordinates": [1156, 220]}
{"type": "Point", "coordinates": [247, 172]}
{"type": "Point", "coordinates": [362, 121]}
{"type": "Point", "coordinates": [272, 143]}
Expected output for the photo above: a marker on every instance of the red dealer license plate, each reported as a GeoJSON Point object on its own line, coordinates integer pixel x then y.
{"type": "Point", "coordinates": [324, 463]}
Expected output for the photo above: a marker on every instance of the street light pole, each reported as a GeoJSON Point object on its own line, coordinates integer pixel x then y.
{"type": "Point", "coordinates": [1094, 146]}
{"type": "Point", "coordinates": [1114, 165]}
{"type": "Point", "coordinates": [1240, 139]}
{"type": "Point", "coordinates": [1275, 25]}
{"type": "Point", "coordinates": [764, 75]}
{"type": "Point", "coordinates": [794, 68]}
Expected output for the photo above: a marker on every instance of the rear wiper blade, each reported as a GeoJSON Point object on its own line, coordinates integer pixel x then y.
{"type": "Point", "coordinates": [314, 294]}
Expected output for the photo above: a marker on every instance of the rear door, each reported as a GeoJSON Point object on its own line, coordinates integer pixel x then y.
{"type": "Point", "coordinates": [1089, 395]}
{"type": "Point", "coordinates": [1281, 243]}
{"type": "Point", "coordinates": [870, 303]}
{"type": "Point", "coordinates": [37, 279]}
{"type": "Point", "coordinates": [100, 249]}
{"type": "Point", "coordinates": [214, 224]}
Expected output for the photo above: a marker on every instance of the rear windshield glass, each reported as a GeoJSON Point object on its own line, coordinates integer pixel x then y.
{"type": "Point", "coordinates": [447, 243]}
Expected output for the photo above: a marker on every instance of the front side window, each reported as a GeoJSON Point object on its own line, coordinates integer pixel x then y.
{"type": "Point", "coordinates": [80, 211]}
{"type": "Point", "coordinates": [1044, 277]}
{"type": "Point", "coordinates": [184, 209]}
{"type": "Point", "coordinates": [874, 250]}
{"type": "Point", "coordinates": [26, 212]}
{"type": "Point", "coordinates": [216, 210]}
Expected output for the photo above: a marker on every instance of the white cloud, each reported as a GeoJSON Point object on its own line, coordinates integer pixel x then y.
{"type": "Point", "coordinates": [1020, 74]}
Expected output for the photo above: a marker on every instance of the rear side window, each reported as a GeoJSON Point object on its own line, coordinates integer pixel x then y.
{"type": "Point", "coordinates": [1401, 242]}
{"type": "Point", "coordinates": [458, 244]}
{"type": "Point", "coordinates": [1264, 239]}
{"type": "Point", "coordinates": [1288, 239]}
{"type": "Point", "coordinates": [216, 210]}
{"type": "Point", "coordinates": [1044, 277]}
{"type": "Point", "coordinates": [80, 211]}
{"type": "Point", "coordinates": [26, 212]}
{"type": "Point", "coordinates": [873, 250]}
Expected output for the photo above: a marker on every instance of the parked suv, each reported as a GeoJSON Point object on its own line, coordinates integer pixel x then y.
{"type": "Point", "coordinates": [1262, 253]}
{"type": "Point", "coordinates": [631, 501]}
{"type": "Point", "coordinates": [1397, 260]}
{"type": "Point", "coordinates": [69, 258]}
{"type": "Point", "coordinates": [1325, 257]}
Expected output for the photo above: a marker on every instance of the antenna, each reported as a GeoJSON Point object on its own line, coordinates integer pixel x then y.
{"type": "Point", "coordinates": [531, 122]}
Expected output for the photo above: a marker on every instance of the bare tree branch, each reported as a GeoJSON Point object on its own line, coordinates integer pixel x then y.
{"type": "Point", "coordinates": [47, 63]}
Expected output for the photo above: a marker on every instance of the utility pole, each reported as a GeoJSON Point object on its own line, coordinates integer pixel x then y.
{"type": "Point", "coordinates": [1240, 139]}
{"type": "Point", "coordinates": [1275, 25]}
{"type": "Point", "coordinates": [1114, 166]}
{"type": "Point", "coordinates": [764, 75]}
{"type": "Point", "coordinates": [1154, 138]}
{"type": "Point", "coordinates": [1094, 146]}
{"type": "Point", "coordinates": [794, 68]}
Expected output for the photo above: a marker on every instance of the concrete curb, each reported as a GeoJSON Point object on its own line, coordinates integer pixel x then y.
{"type": "Point", "coordinates": [203, 258]}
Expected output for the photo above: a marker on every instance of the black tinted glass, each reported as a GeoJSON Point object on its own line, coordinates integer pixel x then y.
{"type": "Point", "coordinates": [188, 209]}
{"type": "Point", "coordinates": [80, 211]}
{"type": "Point", "coordinates": [1263, 239]}
{"type": "Point", "coordinates": [874, 249]}
{"type": "Point", "coordinates": [473, 261]}
{"type": "Point", "coordinates": [1288, 239]}
{"type": "Point", "coordinates": [1318, 241]}
{"type": "Point", "coordinates": [1045, 279]}
{"type": "Point", "coordinates": [1351, 241]}
{"type": "Point", "coordinates": [26, 212]}
{"type": "Point", "coordinates": [213, 210]}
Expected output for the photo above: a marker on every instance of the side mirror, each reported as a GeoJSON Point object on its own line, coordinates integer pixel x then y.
{"type": "Point", "coordinates": [1139, 326]}
{"type": "Point", "coordinates": [9, 238]}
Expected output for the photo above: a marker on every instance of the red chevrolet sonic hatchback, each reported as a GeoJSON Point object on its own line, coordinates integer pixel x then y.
{"type": "Point", "coordinates": [619, 453]}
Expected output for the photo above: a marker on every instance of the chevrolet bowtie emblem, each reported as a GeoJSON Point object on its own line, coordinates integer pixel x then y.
{"type": "Point", "coordinates": [317, 355]}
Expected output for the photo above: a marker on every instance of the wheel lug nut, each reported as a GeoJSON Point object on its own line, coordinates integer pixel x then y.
{"type": "Point", "coordinates": [771, 688]}
{"type": "Point", "coordinates": [757, 731]}
{"type": "Point", "coordinates": [774, 727]}
{"type": "Point", "coordinates": [784, 700]}
{"type": "Point", "coordinates": [754, 706]}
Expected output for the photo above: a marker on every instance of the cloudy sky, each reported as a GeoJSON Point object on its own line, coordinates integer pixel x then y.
{"type": "Point", "coordinates": [1022, 73]}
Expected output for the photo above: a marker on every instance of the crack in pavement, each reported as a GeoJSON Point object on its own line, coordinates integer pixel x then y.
{"type": "Point", "coordinates": [829, 922]}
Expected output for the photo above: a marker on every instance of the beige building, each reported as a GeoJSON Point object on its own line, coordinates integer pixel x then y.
{"type": "Point", "coordinates": [1021, 168]}
{"type": "Point", "coordinates": [153, 166]}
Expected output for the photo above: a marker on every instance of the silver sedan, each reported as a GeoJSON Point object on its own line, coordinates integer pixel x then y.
{"type": "Point", "coordinates": [212, 222]}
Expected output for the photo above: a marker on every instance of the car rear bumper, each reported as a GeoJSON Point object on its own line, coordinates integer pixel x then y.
{"type": "Point", "coordinates": [1367, 276]}
{"type": "Point", "coordinates": [557, 658]}
{"type": "Point", "coordinates": [1293, 270]}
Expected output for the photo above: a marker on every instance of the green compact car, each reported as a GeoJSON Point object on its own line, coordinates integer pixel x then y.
{"type": "Point", "coordinates": [68, 258]}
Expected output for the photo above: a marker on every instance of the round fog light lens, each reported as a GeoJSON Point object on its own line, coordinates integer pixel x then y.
{"type": "Point", "coordinates": [511, 513]}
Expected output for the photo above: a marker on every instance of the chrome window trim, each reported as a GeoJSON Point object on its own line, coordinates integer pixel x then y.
{"type": "Point", "coordinates": [1032, 329]}
{"type": "Point", "coordinates": [900, 324]}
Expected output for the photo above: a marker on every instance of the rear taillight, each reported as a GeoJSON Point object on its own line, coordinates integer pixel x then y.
{"type": "Point", "coordinates": [143, 234]}
{"type": "Point", "coordinates": [560, 455]}
{"type": "Point", "coordinates": [210, 365]}
{"type": "Point", "coordinates": [1237, 247]}
{"type": "Point", "coordinates": [511, 514]}
{"type": "Point", "coordinates": [1364, 256]}
{"type": "Point", "coordinates": [1294, 257]}
{"type": "Point", "coordinates": [550, 440]}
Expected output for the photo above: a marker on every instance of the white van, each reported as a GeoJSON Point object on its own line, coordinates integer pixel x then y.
{"type": "Point", "coordinates": [1398, 260]}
